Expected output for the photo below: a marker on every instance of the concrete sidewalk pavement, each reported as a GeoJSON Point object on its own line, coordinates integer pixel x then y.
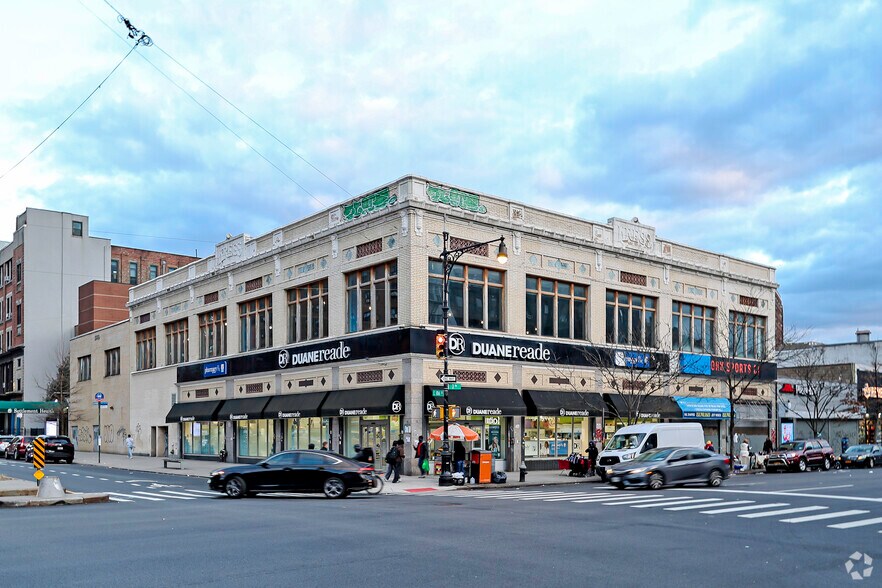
{"type": "Point", "coordinates": [406, 485]}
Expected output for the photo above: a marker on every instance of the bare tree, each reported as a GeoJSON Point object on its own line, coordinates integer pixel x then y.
{"type": "Point", "coordinates": [57, 391]}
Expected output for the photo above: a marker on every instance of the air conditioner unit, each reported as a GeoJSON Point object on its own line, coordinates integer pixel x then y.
{"type": "Point", "coordinates": [8, 279]}
{"type": "Point", "coordinates": [9, 316]}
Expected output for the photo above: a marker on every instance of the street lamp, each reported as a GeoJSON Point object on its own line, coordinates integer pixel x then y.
{"type": "Point", "coordinates": [449, 258]}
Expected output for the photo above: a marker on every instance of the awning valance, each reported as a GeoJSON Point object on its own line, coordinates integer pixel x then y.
{"type": "Point", "coordinates": [479, 401]}
{"type": "Point", "coordinates": [294, 406]}
{"type": "Point", "coordinates": [183, 412]}
{"type": "Point", "coordinates": [704, 408]}
{"type": "Point", "coordinates": [243, 409]}
{"type": "Point", "coordinates": [647, 406]}
{"type": "Point", "coordinates": [364, 401]}
{"type": "Point", "coordinates": [559, 403]}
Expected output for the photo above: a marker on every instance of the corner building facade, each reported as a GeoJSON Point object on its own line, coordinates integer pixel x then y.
{"type": "Point", "coordinates": [323, 330]}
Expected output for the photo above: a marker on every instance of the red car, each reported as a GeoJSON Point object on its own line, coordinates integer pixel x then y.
{"type": "Point", "coordinates": [801, 455]}
{"type": "Point", "coordinates": [18, 447]}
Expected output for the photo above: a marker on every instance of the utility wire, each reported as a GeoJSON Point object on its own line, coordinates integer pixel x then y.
{"type": "Point", "coordinates": [246, 115]}
{"type": "Point", "coordinates": [40, 144]}
{"type": "Point", "coordinates": [210, 113]}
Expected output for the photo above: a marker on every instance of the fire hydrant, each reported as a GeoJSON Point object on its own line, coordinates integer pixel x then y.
{"type": "Point", "coordinates": [523, 472]}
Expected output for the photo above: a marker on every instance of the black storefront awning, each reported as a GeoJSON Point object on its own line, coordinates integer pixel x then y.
{"type": "Point", "coordinates": [557, 403]}
{"type": "Point", "coordinates": [294, 406]}
{"type": "Point", "coordinates": [479, 401]}
{"type": "Point", "coordinates": [183, 412]}
{"type": "Point", "coordinates": [243, 409]}
{"type": "Point", "coordinates": [650, 407]}
{"type": "Point", "coordinates": [380, 400]}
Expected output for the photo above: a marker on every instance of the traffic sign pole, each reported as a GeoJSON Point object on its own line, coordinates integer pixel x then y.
{"type": "Point", "coordinates": [38, 456]}
{"type": "Point", "coordinates": [99, 397]}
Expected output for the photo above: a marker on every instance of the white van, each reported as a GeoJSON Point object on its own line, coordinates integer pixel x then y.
{"type": "Point", "coordinates": [631, 441]}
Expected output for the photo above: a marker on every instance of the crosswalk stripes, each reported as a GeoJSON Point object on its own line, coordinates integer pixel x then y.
{"type": "Point", "coordinates": [786, 511]}
{"type": "Point", "coordinates": [112, 494]}
{"type": "Point", "coordinates": [583, 495]}
{"type": "Point", "coordinates": [744, 508]}
{"type": "Point", "coordinates": [825, 516]}
{"type": "Point", "coordinates": [633, 500]}
{"type": "Point", "coordinates": [209, 492]}
{"type": "Point", "coordinates": [699, 506]}
{"type": "Point", "coordinates": [661, 504]}
{"type": "Point", "coordinates": [853, 524]}
{"type": "Point", "coordinates": [565, 495]}
{"type": "Point", "coordinates": [613, 498]}
{"type": "Point", "coordinates": [176, 494]}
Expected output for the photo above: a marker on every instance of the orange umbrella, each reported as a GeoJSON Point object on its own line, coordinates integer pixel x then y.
{"type": "Point", "coordinates": [455, 432]}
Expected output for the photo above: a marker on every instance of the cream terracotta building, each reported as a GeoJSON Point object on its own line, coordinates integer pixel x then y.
{"type": "Point", "coordinates": [323, 330]}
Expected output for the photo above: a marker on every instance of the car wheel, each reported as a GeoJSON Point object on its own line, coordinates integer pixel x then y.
{"type": "Point", "coordinates": [802, 465]}
{"type": "Point", "coordinates": [619, 485]}
{"type": "Point", "coordinates": [235, 487]}
{"type": "Point", "coordinates": [827, 464]}
{"type": "Point", "coordinates": [656, 481]}
{"type": "Point", "coordinates": [870, 463]}
{"type": "Point", "coordinates": [715, 478]}
{"type": "Point", "coordinates": [770, 470]}
{"type": "Point", "coordinates": [70, 460]}
{"type": "Point", "coordinates": [334, 488]}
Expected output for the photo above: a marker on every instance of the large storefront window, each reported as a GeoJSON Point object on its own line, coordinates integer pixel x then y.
{"type": "Point", "coordinates": [474, 295]}
{"type": "Point", "coordinates": [556, 436]}
{"type": "Point", "coordinates": [372, 298]}
{"type": "Point", "coordinates": [203, 438]}
{"type": "Point", "coordinates": [299, 433]}
{"type": "Point", "coordinates": [492, 431]}
{"type": "Point", "coordinates": [213, 333]}
{"type": "Point", "coordinates": [692, 327]}
{"type": "Point", "coordinates": [308, 312]}
{"type": "Point", "coordinates": [256, 324]}
{"type": "Point", "coordinates": [556, 309]}
{"type": "Point", "coordinates": [255, 437]}
{"type": "Point", "coordinates": [630, 319]}
{"type": "Point", "coordinates": [747, 335]}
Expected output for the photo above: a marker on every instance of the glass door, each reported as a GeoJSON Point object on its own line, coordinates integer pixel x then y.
{"type": "Point", "coordinates": [375, 434]}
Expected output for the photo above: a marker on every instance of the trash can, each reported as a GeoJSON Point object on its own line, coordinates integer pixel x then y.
{"type": "Point", "coordinates": [481, 466]}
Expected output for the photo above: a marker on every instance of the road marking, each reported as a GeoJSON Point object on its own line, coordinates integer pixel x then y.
{"type": "Point", "coordinates": [819, 488]}
{"type": "Point", "coordinates": [133, 496]}
{"type": "Point", "coordinates": [507, 494]}
{"type": "Point", "coordinates": [644, 500]}
{"type": "Point", "coordinates": [666, 504]}
{"type": "Point", "coordinates": [774, 513]}
{"type": "Point", "coordinates": [138, 492]}
{"type": "Point", "coordinates": [788, 494]}
{"type": "Point", "coordinates": [743, 508]}
{"type": "Point", "coordinates": [119, 481]}
{"type": "Point", "coordinates": [91, 477]}
{"type": "Point", "coordinates": [558, 496]}
{"type": "Point", "coordinates": [696, 507]}
{"type": "Point", "coordinates": [852, 524]}
{"type": "Point", "coordinates": [581, 495]}
{"type": "Point", "coordinates": [615, 499]}
{"type": "Point", "coordinates": [522, 496]}
{"type": "Point", "coordinates": [826, 515]}
{"type": "Point", "coordinates": [210, 493]}
{"type": "Point", "coordinates": [52, 471]}
{"type": "Point", "coordinates": [103, 479]}
{"type": "Point", "coordinates": [77, 475]}
{"type": "Point", "coordinates": [119, 499]}
{"type": "Point", "coordinates": [139, 485]}
{"type": "Point", "coordinates": [182, 494]}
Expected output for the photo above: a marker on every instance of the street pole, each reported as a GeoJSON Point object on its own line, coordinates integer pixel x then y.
{"type": "Point", "coordinates": [99, 431]}
{"type": "Point", "coordinates": [446, 478]}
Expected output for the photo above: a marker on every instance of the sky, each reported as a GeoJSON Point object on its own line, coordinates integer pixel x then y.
{"type": "Point", "coordinates": [752, 129]}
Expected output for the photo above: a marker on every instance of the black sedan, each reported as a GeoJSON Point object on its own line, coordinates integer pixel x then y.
{"type": "Point", "coordinates": [58, 448]}
{"type": "Point", "coordinates": [670, 465]}
{"type": "Point", "coordinates": [294, 471]}
{"type": "Point", "coordinates": [862, 456]}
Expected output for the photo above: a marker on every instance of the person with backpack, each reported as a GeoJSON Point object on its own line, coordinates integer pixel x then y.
{"type": "Point", "coordinates": [422, 456]}
{"type": "Point", "coordinates": [393, 461]}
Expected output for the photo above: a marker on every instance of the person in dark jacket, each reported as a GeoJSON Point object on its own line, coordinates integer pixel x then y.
{"type": "Point", "coordinates": [767, 446]}
{"type": "Point", "coordinates": [422, 456]}
{"type": "Point", "coordinates": [592, 455]}
{"type": "Point", "coordinates": [459, 453]}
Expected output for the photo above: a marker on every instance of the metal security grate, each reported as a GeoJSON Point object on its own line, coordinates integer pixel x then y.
{"type": "Point", "coordinates": [457, 243]}
{"type": "Point", "coordinates": [635, 279]}
{"type": "Point", "coordinates": [369, 248]}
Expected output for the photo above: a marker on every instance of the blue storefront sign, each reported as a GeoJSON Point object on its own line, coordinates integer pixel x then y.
{"type": "Point", "coordinates": [214, 369]}
{"type": "Point", "coordinates": [691, 363]}
{"type": "Point", "coordinates": [704, 408]}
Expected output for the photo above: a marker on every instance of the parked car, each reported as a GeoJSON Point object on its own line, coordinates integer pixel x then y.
{"type": "Point", "coordinates": [801, 455]}
{"type": "Point", "coordinates": [17, 448]}
{"type": "Point", "coordinates": [862, 456]}
{"type": "Point", "coordinates": [58, 448]}
{"type": "Point", "coordinates": [294, 471]}
{"type": "Point", "coordinates": [631, 441]}
{"type": "Point", "coordinates": [670, 465]}
{"type": "Point", "coordinates": [4, 441]}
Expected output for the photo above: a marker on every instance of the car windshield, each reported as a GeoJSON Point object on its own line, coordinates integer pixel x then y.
{"type": "Point", "coordinates": [794, 446]}
{"type": "Point", "coordinates": [654, 455]}
{"type": "Point", "coordinates": [857, 449]}
{"type": "Point", "coordinates": [625, 441]}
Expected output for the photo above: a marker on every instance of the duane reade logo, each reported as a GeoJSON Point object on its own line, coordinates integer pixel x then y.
{"type": "Point", "coordinates": [283, 358]}
{"type": "Point", "coordinates": [456, 344]}
{"type": "Point", "coordinates": [396, 406]}
{"type": "Point", "coordinates": [859, 566]}
{"type": "Point", "coordinates": [468, 410]}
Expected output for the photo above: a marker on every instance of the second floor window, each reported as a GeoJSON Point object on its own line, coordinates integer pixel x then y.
{"type": "Point", "coordinates": [308, 312]}
{"type": "Point", "coordinates": [630, 319]}
{"type": "Point", "coordinates": [176, 342]}
{"type": "Point", "coordinates": [556, 309]}
{"type": "Point", "coordinates": [114, 270]}
{"type": "Point", "coordinates": [213, 333]}
{"type": "Point", "coordinates": [154, 272]}
{"type": "Point", "coordinates": [692, 327]}
{"type": "Point", "coordinates": [747, 335]}
{"type": "Point", "coordinates": [85, 367]}
{"type": "Point", "coordinates": [111, 362]}
{"type": "Point", "coordinates": [372, 297]}
{"type": "Point", "coordinates": [77, 228]}
{"type": "Point", "coordinates": [256, 324]}
{"type": "Point", "coordinates": [474, 295]}
{"type": "Point", "coordinates": [133, 272]}
{"type": "Point", "coordinates": [145, 349]}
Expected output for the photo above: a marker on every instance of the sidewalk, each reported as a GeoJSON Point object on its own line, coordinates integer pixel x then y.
{"type": "Point", "coordinates": [407, 484]}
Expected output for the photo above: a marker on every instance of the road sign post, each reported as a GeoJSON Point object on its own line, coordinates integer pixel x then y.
{"type": "Point", "coordinates": [98, 398]}
{"type": "Point", "coordinates": [38, 455]}
{"type": "Point", "coordinates": [454, 386]}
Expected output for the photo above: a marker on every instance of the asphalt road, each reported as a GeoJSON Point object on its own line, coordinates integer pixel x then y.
{"type": "Point", "coordinates": [532, 536]}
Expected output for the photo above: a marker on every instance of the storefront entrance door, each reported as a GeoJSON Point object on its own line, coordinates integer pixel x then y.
{"type": "Point", "coordinates": [375, 434]}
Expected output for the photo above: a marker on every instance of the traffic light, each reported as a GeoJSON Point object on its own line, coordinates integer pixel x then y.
{"type": "Point", "coordinates": [440, 345]}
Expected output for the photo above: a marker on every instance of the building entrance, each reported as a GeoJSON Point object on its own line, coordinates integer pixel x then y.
{"type": "Point", "coordinates": [375, 434]}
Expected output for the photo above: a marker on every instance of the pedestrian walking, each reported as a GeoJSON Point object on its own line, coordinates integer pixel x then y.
{"type": "Point", "coordinates": [393, 461]}
{"type": "Point", "coordinates": [592, 456]}
{"type": "Point", "coordinates": [130, 445]}
{"type": "Point", "coordinates": [311, 446]}
{"type": "Point", "coordinates": [709, 446]}
{"type": "Point", "coordinates": [324, 446]}
{"type": "Point", "coordinates": [767, 446]}
{"type": "Point", "coordinates": [422, 456]}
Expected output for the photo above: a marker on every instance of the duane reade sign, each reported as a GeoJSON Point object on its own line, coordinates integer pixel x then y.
{"type": "Point", "coordinates": [504, 351]}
